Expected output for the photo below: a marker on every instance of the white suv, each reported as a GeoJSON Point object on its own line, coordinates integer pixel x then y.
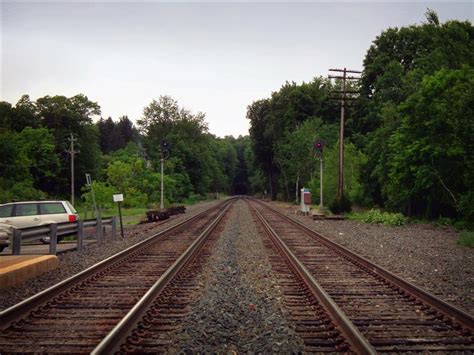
{"type": "Point", "coordinates": [37, 213]}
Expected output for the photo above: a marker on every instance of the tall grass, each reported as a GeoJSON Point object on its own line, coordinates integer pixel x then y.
{"type": "Point", "coordinates": [466, 239]}
{"type": "Point", "coordinates": [377, 216]}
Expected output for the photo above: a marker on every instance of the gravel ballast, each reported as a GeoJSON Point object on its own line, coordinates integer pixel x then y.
{"type": "Point", "coordinates": [424, 254]}
{"type": "Point", "coordinates": [239, 309]}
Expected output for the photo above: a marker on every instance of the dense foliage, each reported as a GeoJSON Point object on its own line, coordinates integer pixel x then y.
{"type": "Point", "coordinates": [34, 140]}
{"type": "Point", "coordinates": [409, 145]}
{"type": "Point", "coordinates": [408, 138]}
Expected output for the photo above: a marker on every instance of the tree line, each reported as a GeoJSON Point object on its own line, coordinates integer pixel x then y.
{"type": "Point", "coordinates": [409, 134]}
{"type": "Point", "coordinates": [121, 157]}
{"type": "Point", "coordinates": [409, 137]}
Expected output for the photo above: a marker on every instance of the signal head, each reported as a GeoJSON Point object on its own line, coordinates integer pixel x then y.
{"type": "Point", "coordinates": [319, 145]}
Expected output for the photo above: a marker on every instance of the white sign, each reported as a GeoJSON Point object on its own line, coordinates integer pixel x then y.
{"type": "Point", "coordinates": [118, 198]}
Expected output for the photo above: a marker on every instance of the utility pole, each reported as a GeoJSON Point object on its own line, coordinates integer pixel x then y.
{"type": "Point", "coordinates": [344, 98]}
{"type": "Point", "coordinates": [72, 152]}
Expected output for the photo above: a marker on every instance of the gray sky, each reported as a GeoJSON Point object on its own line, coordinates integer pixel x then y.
{"type": "Point", "coordinates": [215, 57]}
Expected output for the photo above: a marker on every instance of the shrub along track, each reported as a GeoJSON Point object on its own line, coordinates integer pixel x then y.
{"type": "Point", "coordinates": [391, 314]}
{"type": "Point", "coordinates": [75, 315]}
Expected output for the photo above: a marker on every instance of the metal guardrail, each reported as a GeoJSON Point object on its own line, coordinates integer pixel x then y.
{"type": "Point", "coordinates": [54, 230]}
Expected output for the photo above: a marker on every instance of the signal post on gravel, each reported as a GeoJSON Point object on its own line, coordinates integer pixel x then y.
{"type": "Point", "coordinates": [119, 198]}
{"type": "Point", "coordinates": [319, 148]}
{"type": "Point", "coordinates": [165, 153]}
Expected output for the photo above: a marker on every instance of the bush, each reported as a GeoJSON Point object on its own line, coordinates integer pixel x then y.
{"type": "Point", "coordinates": [134, 198]}
{"type": "Point", "coordinates": [103, 194]}
{"type": "Point", "coordinates": [444, 221]}
{"type": "Point", "coordinates": [377, 216]}
{"type": "Point", "coordinates": [21, 191]}
{"type": "Point", "coordinates": [338, 207]}
{"type": "Point", "coordinates": [466, 238]}
{"type": "Point", "coordinates": [194, 198]}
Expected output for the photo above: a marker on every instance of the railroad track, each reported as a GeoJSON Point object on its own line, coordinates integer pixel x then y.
{"type": "Point", "coordinates": [77, 314]}
{"type": "Point", "coordinates": [371, 310]}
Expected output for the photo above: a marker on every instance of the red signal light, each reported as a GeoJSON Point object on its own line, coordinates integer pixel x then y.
{"type": "Point", "coordinates": [318, 145]}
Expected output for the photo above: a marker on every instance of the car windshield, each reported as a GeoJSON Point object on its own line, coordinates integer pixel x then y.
{"type": "Point", "coordinates": [73, 210]}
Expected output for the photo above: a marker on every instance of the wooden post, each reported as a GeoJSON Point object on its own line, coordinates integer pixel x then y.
{"type": "Point", "coordinates": [53, 238]}
{"type": "Point", "coordinates": [114, 228]}
{"type": "Point", "coordinates": [343, 97]}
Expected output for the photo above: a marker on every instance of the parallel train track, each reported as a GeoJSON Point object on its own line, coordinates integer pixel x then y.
{"type": "Point", "coordinates": [75, 315]}
{"type": "Point", "coordinates": [338, 301]}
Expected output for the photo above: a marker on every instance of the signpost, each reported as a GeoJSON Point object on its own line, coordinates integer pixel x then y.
{"type": "Point", "coordinates": [89, 183]}
{"type": "Point", "coordinates": [119, 198]}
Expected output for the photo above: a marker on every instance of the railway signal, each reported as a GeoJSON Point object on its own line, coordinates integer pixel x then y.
{"type": "Point", "coordinates": [165, 145]}
{"type": "Point", "coordinates": [319, 146]}
{"type": "Point", "coordinates": [165, 153]}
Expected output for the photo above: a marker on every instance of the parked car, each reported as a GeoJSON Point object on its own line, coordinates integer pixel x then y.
{"type": "Point", "coordinates": [37, 213]}
{"type": "Point", "coordinates": [5, 233]}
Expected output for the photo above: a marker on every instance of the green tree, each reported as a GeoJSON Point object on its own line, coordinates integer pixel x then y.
{"type": "Point", "coordinates": [63, 116]}
{"type": "Point", "coordinates": [353, 163]}
{"type": "Point", "coordinates": [432, 160]}
{"type": "Point", "coordinates": [296, 156]}
{"type": "Point", "coordinates": [191, 153]}
{"type": "Point", "coordinates": [395, 67]}
{"type": "Point", "coordinates": [43, 162]}
{"type": "Point", "coordinates": [28, 164]}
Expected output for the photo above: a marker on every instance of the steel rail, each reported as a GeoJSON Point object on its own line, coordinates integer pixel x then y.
{"type": "Point", "coordinates": [19, 310]}
{"type": "Point", "coordinates": [442, 306]}
{"type": "Point", "coordinates": [111, 343]}
{"type": "Point", "coordinates": [352, 334]}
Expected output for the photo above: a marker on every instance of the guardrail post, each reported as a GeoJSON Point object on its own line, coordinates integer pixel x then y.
{"type": "Point", "coordinates": [114, 228]}
{"type": "Point", "coordinates": [99, 230]}
{"type": "Point", "coordinates": [80, 235]}
{"type": "Point", "coordinates": [53, 238]}
{"type": "Point", "coordinates": [16, 247]}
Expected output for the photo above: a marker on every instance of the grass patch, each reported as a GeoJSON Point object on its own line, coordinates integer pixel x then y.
{"type": "Point", "coordinates": [466, 239]}
{"type": "Point", "coordinates": [129, 215]}
{"type": "Point", "coordinates": [377, 216]}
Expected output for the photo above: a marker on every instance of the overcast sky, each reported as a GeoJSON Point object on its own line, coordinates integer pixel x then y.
{"type": "Point", "coordinates": [214, 57]}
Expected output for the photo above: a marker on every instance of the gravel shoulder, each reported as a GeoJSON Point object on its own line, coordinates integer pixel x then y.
{"type": "Point", "coordinates": [71, 263]}
{"type": "Point", "coordinates": [424, 254]}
